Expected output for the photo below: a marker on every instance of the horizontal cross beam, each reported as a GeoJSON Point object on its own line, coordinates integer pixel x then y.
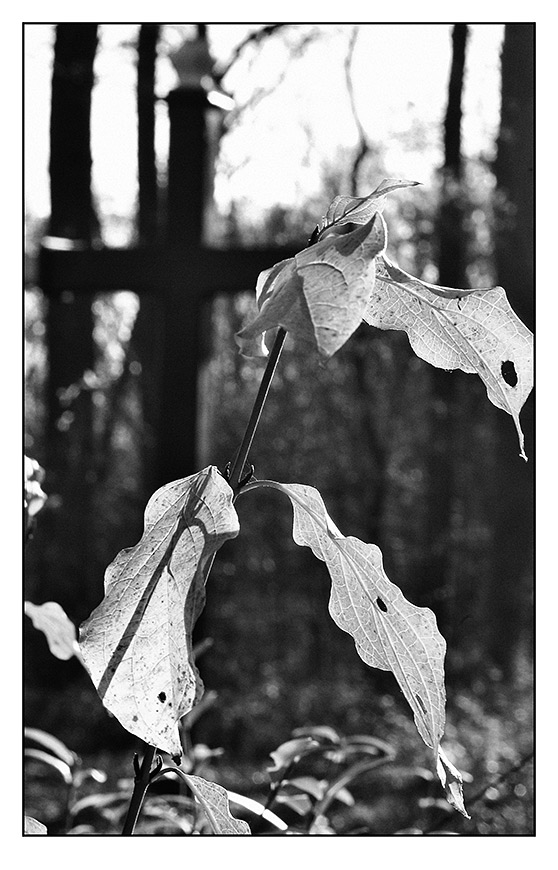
{"type": "Point", "coordinates": [200, 272]}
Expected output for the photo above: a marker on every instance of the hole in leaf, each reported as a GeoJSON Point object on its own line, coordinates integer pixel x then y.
{"type": "Point", "coordinates": [381, 604]}
{"type": "Point", "coordinates": [162, 697]}
{"type": "Point", "coordinates": [509, 373]}
{"type": "Point", "coordinates": [421, 703]}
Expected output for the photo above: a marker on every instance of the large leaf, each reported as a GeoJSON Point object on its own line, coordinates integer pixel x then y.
{"type": "Point", "coordinates": [58, 629]}
{"type": "Point", "coordinates": [389, 632]}
{"type": "Point", "coordinates": [320, 295]}
{"type": "Point", "coordinates": [215, 802]}
{"type": "Point", "coordinates": [137, 644]}
{"type": "Point", "coordinates": [472, 330]}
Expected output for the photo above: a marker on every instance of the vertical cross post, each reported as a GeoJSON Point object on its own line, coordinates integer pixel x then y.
{"type": "Point", "coordinates": [187, 174]}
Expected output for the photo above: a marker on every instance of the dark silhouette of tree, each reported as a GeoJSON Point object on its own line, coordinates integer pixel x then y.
{"type": "Point", "coordinates": [70, 319]}
{"type": "Point", "coordinates": [441, 458]}
{"type": "Point", "coordinates": [147, 170]}
{"type": "Point", "coordinates": [64, 541]}
{"type": "Point", "coordinates": [509, 598]}
{"type": "Point", "coordinates": [72, 215]}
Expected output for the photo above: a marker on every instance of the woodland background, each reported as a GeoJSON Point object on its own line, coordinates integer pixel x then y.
{"type": "Point", "coordinates": [406, 456]}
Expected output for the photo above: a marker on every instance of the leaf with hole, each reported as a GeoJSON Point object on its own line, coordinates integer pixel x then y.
{"type": "Point", "coordinates": [389, 632]}
{"type": "Point", "coordinates": [137, 644]}
{"type": "Point", "coordinates": [472, 330]}
{"type": "Point", "coordinates": [320, 295]}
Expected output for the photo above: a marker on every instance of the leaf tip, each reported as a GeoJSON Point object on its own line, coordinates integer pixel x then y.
{"type": "Point", "coordinates": [452, 782]}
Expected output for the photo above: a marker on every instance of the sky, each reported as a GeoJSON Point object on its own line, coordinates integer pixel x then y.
{"type": "Point", "coordinates": [399, 73]}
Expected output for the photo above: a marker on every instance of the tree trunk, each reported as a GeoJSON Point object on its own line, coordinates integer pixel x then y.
{"type": "Point", "coordinates": [65, 539]}
{"type": "Point", "coordinates": [72, 215]}
{"type": "Point", "coordinates": [509, 604]}
{"type": "Point", "coordinates": [70, 320]}
{"type": "Point", "coordinates": [148, 337]}
{"type": "Point", "coordinates": [147, 169]}
{"type": "Point", "coordinates": [436, 572]}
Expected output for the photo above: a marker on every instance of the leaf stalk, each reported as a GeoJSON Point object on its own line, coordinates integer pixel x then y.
{"type": "Point", "coordinates": [142, 781]}
{"type": "Point", "coordinates": [237, 469]}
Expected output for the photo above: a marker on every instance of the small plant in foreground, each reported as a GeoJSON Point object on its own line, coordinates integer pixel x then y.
{"type": "Point", "coordinates": [137, 644]}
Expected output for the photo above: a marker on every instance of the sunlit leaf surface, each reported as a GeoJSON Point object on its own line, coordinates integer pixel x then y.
{"type": "Point", "coordinates": [320, 295]}
{"type": "Point", "coordinates": [215, 803]}
{"type": "Point", "coordinates": [472, 330]}
{"type": "Point", "coordinates": [389, 632]}
{"type": "Point", "coordinates": [137, 644]}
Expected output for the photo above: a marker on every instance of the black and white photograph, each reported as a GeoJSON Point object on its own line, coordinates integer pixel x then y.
{"type": "Point", "coordinates": [278, 431]}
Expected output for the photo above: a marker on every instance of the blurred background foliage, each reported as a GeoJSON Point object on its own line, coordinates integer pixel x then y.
{"type": "Point", "coordinates": [426, 469]}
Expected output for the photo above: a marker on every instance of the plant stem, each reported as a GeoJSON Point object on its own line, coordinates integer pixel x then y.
{"type": "Point", "coordinates": [141, 783]}
{"type": "Point", "coordinates": [242, 455]}
{"type": "Point", "coordinates": [274, 790]}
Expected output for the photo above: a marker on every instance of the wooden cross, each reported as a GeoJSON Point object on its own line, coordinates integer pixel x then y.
{"type": "Point", "coordinates": [182, 272]}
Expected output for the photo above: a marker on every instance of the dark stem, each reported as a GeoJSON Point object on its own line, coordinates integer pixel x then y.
{"type": "Point", "coordinates": [236, 472]}
{"type": "Point", "coordinates": [141, 783]}
{"type": "Point", "coordinates": [242, 455]}
{"type": "Point", "coordinates": [274, 789]}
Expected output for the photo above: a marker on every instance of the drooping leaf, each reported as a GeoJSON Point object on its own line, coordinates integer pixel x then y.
{"type": "Point", "coordinates": [389, 632]}
{"type": "Point", "coordinates": [321, 733]}
{"type": "Point", "coordinates": [32, 826]}
{"type": "Point", "coordinates": [472, 330]}
{"type": "Point", "coordinates": [345, 210]}
{"type": "Point", "coordinates": [215, 802]}
{"type": "Point", "coordinates": [137, 644]}
{"type": "Point", "coordinates": [298, 802]}
{"type": "Point", "coordinates": [289, 753]}
{"type": "Point", "coordinates": [320, 295]}
{"type": "Point", "coordinates": [52, 745]}
{"type": "Point", "coordinates": [308, 784]}
{"type": "Point", "coordinates": [58, 629]}
{"type": "Point", "coordinates": [452, 782]}
{"type": "Point", "coordinates": [367, 745]}
{"type": "Point", "coordinates": [51, 761]}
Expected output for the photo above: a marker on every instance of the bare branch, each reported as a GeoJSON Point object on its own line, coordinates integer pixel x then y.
{"type": "Point", "coordinates": [251, 39]}
{"type": "Point", "coordinates": [363, 147]}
